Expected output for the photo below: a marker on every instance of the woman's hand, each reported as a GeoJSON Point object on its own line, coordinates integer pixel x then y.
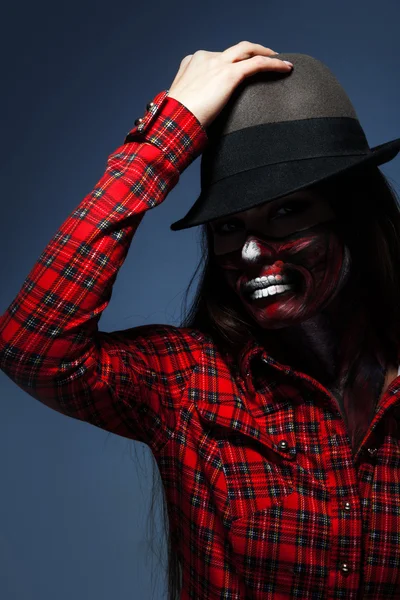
{"type": "Point", "coordinates": [206, 80]}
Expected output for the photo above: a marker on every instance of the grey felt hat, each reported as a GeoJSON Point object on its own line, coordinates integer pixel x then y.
{"type": "Point", "coordinates": [279, 133]}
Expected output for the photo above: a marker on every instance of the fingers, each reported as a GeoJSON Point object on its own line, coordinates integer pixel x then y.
{"type": "Point", "coordinates": [248, 58]}
{"type": "Point", "coordinates": [244, 50]}
{"type": "Point", "coordinates": [259, 63]}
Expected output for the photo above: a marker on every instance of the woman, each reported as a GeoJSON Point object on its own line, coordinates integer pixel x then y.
{"type": "Point", "coordinates": [271, 412]}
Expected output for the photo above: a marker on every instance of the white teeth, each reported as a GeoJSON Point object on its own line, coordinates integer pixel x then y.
{"type": "Point", "coordinates": [271, 290]}
{"type": "Point", "coordinates": [256, 283]}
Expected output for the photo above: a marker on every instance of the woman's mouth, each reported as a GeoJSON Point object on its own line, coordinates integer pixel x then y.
{"type": "Point", "coordinates": [270, 290]}
{"type": "Point", "coordinates": [270, 285]}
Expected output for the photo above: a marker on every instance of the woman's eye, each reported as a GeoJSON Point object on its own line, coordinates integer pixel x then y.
{"type": "Point", "coordinates": [294, 207]}
{"type": "Point", "coordinates": [227, 226]}
{"type": "Point", "coordinates": [235, 225]}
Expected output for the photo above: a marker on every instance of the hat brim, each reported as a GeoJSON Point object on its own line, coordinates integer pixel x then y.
{"type": "Point", "coordinates": [246, 190]}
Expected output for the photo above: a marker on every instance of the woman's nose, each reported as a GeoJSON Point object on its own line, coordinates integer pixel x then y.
{"type": "Point", "coordinates": [251, 250]}
{"type": "Point", "coordinates": [256, 251]}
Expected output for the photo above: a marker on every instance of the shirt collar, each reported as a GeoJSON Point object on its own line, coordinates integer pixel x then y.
{"type": "Point", "coordinates": [246, 357]}
{"type": "Point", "coordinates": [252, 351]}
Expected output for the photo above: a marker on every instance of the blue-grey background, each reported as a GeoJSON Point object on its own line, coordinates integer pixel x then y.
{"type": "Point", "coordinates": [74, 499]}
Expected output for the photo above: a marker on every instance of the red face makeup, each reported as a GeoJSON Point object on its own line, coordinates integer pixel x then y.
{"type": "Point", "coordinates": [284, 259]}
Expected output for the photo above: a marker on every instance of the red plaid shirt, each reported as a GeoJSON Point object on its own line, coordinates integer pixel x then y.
{"type": "Point", "coordinates": [267, 500]}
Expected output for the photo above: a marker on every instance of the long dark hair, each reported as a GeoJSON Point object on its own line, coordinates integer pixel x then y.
{"type": "Point", "coordinates": [367, 207]}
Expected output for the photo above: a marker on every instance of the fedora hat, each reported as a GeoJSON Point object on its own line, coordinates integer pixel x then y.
{"type": "Point", "coordinates": [277, 134]}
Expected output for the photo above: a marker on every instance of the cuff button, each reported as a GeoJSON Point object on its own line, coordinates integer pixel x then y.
{"type": "Point", "coordinates": [149, 106]}
{"type": "Point", "coordinates": [138, 122]}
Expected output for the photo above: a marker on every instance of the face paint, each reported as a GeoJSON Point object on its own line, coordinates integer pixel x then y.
{"type": "Point", "coordinates": [284, 281]}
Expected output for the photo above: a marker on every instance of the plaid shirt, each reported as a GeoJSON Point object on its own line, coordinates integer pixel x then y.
{"type": "Point", "coordinates": [267, 499]}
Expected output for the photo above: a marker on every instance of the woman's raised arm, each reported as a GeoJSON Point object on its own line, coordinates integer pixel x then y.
{"type": "Point", "coordinates": [50, 345]}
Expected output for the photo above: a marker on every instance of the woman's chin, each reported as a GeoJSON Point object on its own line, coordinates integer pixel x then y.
{"type": "Point", "coordinates": [280, 310]}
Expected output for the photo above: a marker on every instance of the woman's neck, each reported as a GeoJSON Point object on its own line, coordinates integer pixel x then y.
{"type": "Point", "coordinates": [311, 347]}
{"type": "Point", "coordinates": [315, 346]}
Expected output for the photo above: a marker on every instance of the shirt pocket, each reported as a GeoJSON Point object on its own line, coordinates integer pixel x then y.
{"type": "Point", "coordinates": [257, 478]}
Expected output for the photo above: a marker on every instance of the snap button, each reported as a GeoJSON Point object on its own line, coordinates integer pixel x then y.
{"type": "Point", "coordinates": [345, 568]}
{"type": "Point", "coordinates": [347, 506]}
{"type": "Point", "coordinates": [149, 106]}
{"type": "Point", "coordinates": [283, 445]}
{"type": "Point", "coordinates": [138, 121]}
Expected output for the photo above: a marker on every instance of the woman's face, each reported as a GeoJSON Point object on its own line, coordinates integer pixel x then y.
{"type": "Point", "coordinates": [284, 259]}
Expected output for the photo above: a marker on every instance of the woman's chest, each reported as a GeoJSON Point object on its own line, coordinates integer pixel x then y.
{"type": "Point", "coordinates": [273, 471]}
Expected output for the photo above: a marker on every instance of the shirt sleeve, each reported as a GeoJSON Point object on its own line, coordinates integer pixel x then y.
{"type": "Point", "coordinates": [50, 345]}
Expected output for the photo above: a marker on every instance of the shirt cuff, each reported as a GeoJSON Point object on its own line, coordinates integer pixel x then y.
{"type": "Point", "coordinates": [173, 128]}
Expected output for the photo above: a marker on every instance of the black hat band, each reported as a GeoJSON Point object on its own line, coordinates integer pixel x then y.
{"type": "Point", "coordinates": [272, 143]}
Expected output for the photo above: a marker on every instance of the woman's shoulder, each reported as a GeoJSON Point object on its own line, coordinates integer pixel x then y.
{"type": "Point", "coordinates": [173, 348]}
{"type": "Point", "coordinates": [164, 337]}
